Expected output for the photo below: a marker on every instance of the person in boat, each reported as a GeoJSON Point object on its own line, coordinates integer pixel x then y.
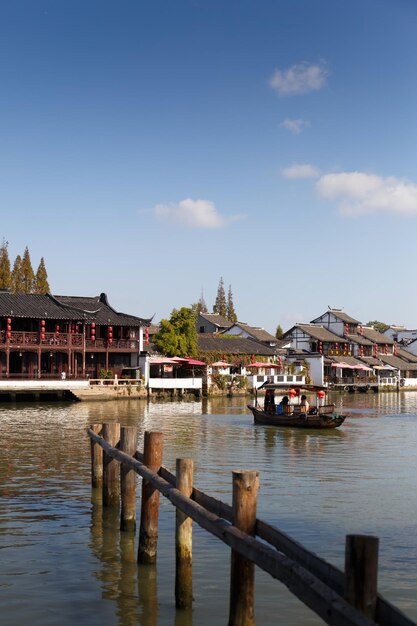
{"type": "Point", "coordinates": [304, 405]}
{"type": "Point", "coordinates": [269, 402]}
{"type": "Point", "coordinates": [284, 405]}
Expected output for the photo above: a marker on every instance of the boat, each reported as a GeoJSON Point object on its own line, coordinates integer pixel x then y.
{"type": "Point", "coordinates": [292, 415]}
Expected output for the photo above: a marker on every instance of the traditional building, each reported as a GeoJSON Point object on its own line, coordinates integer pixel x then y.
{"type": "Point", "coordinates": [45, 336]}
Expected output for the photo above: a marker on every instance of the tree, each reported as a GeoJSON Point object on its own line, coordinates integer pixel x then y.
{"type": "Point", "coordinates": [41, 279]}
{"type": "Point", "coordinates": [28, 274]}
{"type": "Point", "coordinates": [230, 312]}
{"type": "Point", "coordinates": [201, 305]}
{"type": "Point", "coordinates": [220, 305]}
{"type": "Point", "coordinates": [17, 276]}
{"type": "Point", "coordinates": [5, 272]}
{"type": "Point", "coordinates": [379, 326]}
{"type": "Point", "coordinates": [279, 332]}
{"type": "Point", "coordinates": [178, 335]}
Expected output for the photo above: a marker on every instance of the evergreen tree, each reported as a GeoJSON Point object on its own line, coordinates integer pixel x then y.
{"type": "Point", "coordinates": [178, 335]}
{"type": "Point", "coordinates": [17, 276]}
{"type": "Point", "coordinates": [220, 306]}
{"type": "Point", "coordinates": [28, 274]}
{"type": "Point", "coordinates": [279, 332]}
{"type": "Point", "coordinates": [201, 304]}
{"type": "Point", "coordinates": [41, 279]}
{"type": "Point", "coordinates": [5, 271]}
{"type": "Point", "coordinates": [231, 313]}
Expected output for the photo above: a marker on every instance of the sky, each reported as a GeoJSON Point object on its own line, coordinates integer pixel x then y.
{"type": "Point", "coordinates": [150, 148]}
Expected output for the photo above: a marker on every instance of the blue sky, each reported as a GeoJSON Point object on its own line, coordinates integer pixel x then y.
{"type": "Point", "coordinates": [149, 148]}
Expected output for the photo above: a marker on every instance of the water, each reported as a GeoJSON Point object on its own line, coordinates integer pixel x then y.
{"type": "Point", "coordinates": [63, 562]}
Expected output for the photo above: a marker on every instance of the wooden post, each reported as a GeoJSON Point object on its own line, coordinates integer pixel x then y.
{"type": "Point", "coordinates": [184, 539]}
{"type": "Point", "coordinates": [111, 472]}
{"type": "Point", "coordinates": [128, 439]}
{"type": "Point", "coordinates": [96, 459]}
{"type": "Point", "coordinates": [148, 532]}
{"type": "Point", "coordinates": [245, 491]}
{"type": "Point", "coordinates": [361, 573]}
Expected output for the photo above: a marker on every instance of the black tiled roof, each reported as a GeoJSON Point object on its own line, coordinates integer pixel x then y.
{"type": "Point", "coordinates": [71, 308]}
{"type": "Point", "coordinates": [208, 342]}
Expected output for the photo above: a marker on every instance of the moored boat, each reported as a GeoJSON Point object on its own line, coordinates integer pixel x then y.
{"type": "Point", "coordinates": [295, 414]}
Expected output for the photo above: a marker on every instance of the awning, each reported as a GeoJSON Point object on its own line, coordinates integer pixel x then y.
{"type": "Point", "coordinates": [221, 364]}
{"type": "Point", "coordinates": [185, 361]}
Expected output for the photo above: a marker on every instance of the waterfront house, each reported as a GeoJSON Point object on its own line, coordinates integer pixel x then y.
{"type": "Point", "coordinates": [46, 336]}
{"type": "Point", "coordinates": [245, 331]}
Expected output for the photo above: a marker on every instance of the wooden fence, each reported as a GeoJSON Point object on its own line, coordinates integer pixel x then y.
{"type": "Point", "coordinates": [348, 598]}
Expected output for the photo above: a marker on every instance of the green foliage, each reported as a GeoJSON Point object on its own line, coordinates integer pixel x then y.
{"type": "Point", "coordinates": [279, 332]}
{"type": "Point", "coordinates": [178, 335]}
{"type": "Point", "coordinates": [17, 276]}
{"type": "Point", "coordinates": [28, 274]}
{"type": "Point", "coordinates": [41, 279]}
{"type": "Point", "coordinates": [220, 306]}
{"type": "Point", "coordinates": [105, 374]}
{"type": "Point", "coordinates": [379, 326]}
{"type": "Point", "coordinates": [231, 313]}
{"type": "Point", "coordinates": [5, 271]}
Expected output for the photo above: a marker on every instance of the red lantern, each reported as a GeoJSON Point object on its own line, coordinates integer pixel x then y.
{"type": "Point", "coordinates": [9, 327]}
{"type": "Point", "coordinates": [42, 336]}
{"type": "Point", "coordinates": [346, 329]}
{"type": "Point", "coordinates": [321, 394]}
{"type": "Point", "coordinates": [42, 322]}
{"type": "Point", "coordinates": [292, 393]}
{"type": "Point", "coordinates": [9, 321]}
{"type": "Point", "coordinates": [110, 340]}
{"type": "Point", "coordinates": [361, 330]}
{"type": "Point", "coordinates": [57, 329]}
{"type": "Point", "coordinates": [361, 350]}
{"type": "Point", "coordinates": [321, 347]}
{"type": "Point", "coordinates": [8, 335]}
{"type": "Point", "coordinates": [93, 324]}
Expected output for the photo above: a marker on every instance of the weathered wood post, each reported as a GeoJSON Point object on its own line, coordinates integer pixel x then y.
{"type": "Point", "coordinates": [111, 472]}
{"type": "Point", "coordinates": [148, 532]}
{"type": "Point", "coordinates": [361, 573]}
{"type": "Point", "coordinates": [96, 459]}
{"type": "Point", "coordinates": [245, 491]}
{"type": "Point", "coordinates": [128, 439]}
{"type": "Point", "coordinates": [184, 539]}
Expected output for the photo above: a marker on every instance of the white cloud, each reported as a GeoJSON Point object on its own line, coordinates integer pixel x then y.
{"type": "Point", "coordinates": [298, 79]}
{"type": "Point", "coordinates": [294, 126]}
{"type": "Point", "coordinates": [193, 214]}
{"type": "Point", "coordinates": [359, 193]}
{"type": "Point", "coordinates": [300, 170]}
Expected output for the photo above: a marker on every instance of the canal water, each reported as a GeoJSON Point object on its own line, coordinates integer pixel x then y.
{"type": "Point", "coordinates": [64, 562]}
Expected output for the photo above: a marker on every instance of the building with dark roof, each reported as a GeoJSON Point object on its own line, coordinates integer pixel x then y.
{"type": "Point", "coordinates": [211, 323]}
{"type": "Point", "coordinates": [55, 336]}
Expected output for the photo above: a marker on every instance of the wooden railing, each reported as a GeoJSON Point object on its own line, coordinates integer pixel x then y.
{"type": "Point", "coordinates": [339, 598]}
{"type": "Point", "coordinates": [64, 340]}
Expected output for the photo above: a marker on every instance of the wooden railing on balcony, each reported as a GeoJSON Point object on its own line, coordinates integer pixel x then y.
{"type": "Point", "coordinates": [64, 340]}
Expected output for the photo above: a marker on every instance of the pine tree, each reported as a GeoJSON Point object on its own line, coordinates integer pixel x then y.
{"type": "Point", "coordinates": [201, 305]}
{"type": "Point", "coordinates": [5, 271]}
{"type": "Point", "coordinates": [28, 274]}
{"type": "Point", "coordinates": [231, 313]}
{"type": "Point", "coordinates": [17, 276]}
{"type": "Point", "coordinates": [220, 305]}
{"type": "Point", "coordinates": [279, 332]}
{"type": "Point", "coordinates": [41, 279]}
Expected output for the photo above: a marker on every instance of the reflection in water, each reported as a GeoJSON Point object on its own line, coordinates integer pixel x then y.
{"type": "Point", "coordinates": [64, 559]}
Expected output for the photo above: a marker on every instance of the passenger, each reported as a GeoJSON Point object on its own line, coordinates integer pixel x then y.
{"type": "Point", "coordinates": [269, 402]}
{"type": "Point", "coordinates": [285, 405]}
{"type": "Point", "coordinates": [304, 405]}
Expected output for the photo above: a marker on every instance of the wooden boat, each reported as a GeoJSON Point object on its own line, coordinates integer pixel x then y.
{"type": "Point", "coordinates": [292, 415]}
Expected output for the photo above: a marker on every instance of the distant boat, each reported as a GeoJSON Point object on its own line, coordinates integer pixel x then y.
{"type": "Point", "coordinates": [294, 415]}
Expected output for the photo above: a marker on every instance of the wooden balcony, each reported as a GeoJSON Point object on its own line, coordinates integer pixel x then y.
{"type": "Point", "coordinates": [64, 341]}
